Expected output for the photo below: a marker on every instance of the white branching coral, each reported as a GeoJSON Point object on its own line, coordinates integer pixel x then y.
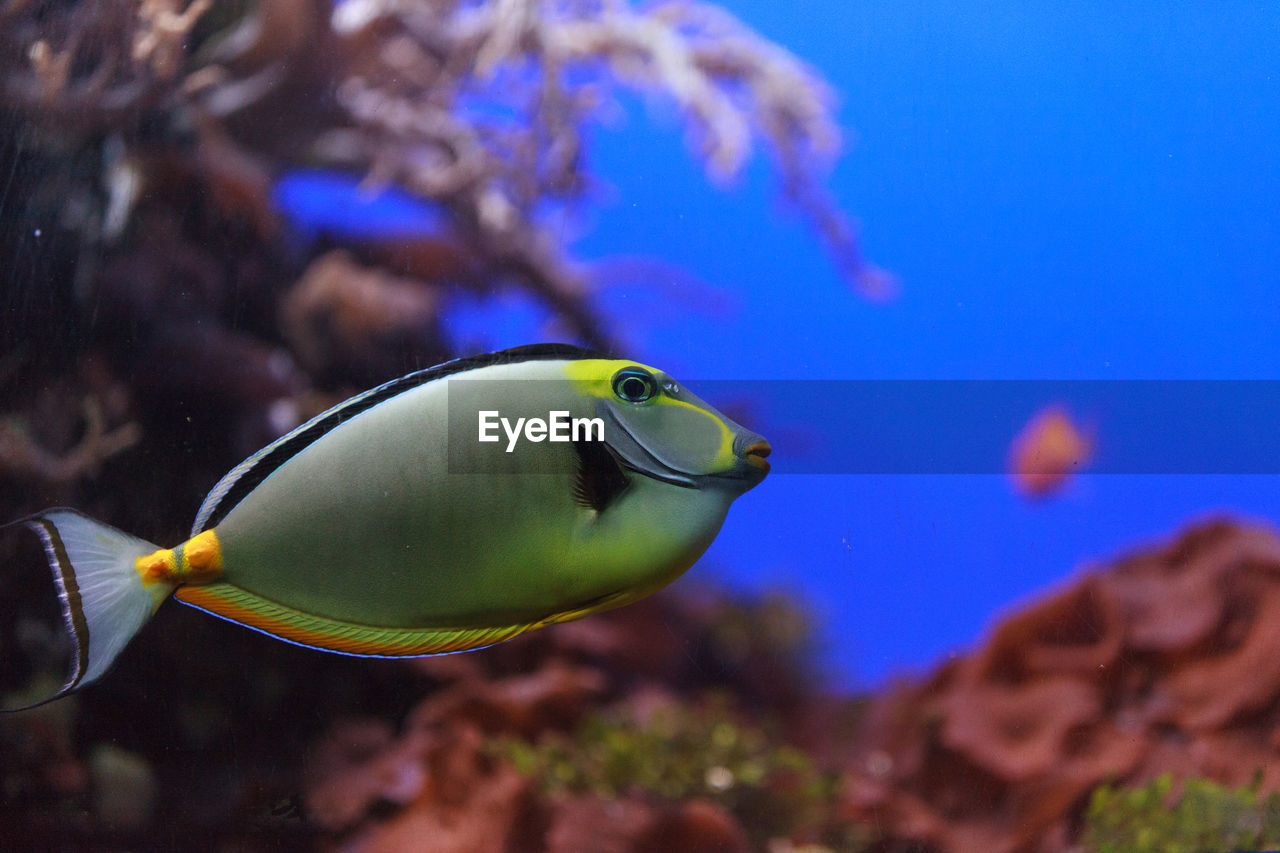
{"type": "Point", "coordinates": [723, 76]}
{"type": "Point", "coordinates": [485, 103]}
{"type": "Point", "coordinates": [85, 66]}
{"type": "Point", "coordinates": [162, 36]}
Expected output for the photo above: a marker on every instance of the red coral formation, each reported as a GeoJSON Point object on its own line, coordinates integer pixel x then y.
{"type": "Point", "coordinates": [1161, 663]}
{"type": "Point", "coordinates": [440, 779]}
{"type": "Point", "coordinates": [1164, 662]}
{"type": "Point", "coordinates": [301, 749]}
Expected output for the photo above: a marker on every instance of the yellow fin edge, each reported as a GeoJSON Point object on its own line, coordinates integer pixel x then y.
{"type": "Point", "coordinates": [608, 602]}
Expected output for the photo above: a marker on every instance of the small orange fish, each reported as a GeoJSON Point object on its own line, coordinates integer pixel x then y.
{"type": "Point", "coordinates": [1048, 450]}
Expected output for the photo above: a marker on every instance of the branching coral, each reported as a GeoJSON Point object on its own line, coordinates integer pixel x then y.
{"type": "Point", "coordinates": [22, 454]}
{"type": "Point", "coordinates": [149, 269]}
{"type": "Point", "coordinates": [147, 135]}
{"type": "Point", "coordinates": [85, 68]}
{"type": "Point", "coordinates": [481, 107]}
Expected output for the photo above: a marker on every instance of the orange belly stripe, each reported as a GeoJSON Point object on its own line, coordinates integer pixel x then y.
{"type": "Point", "coordinates": [319, 632]}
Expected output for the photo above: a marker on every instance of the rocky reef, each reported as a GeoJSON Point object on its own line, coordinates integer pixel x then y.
{"type": "Point", "coordinates": [688, 722]}
{"type": "Point", "coordinates": [1160, 663]}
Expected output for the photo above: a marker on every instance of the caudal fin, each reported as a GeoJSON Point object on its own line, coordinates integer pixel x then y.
{"type": "Point", "coordinates": [104, 601]}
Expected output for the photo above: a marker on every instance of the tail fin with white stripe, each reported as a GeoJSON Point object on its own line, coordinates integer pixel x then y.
{"type": "Point", "coordinates": [103, 598]}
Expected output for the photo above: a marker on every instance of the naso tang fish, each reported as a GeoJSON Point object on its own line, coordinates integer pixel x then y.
{"type": "Point", "coordinates": [387, 527]}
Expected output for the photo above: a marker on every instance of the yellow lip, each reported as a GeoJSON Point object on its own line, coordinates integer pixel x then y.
{"type": "Point", "coordinates": [756, 453]}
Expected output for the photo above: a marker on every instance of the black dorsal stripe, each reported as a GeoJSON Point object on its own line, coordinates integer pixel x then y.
{"type": "Point", "coordinates": [294, 442]}
{"type": "Point", "coordinates": [72, 607]}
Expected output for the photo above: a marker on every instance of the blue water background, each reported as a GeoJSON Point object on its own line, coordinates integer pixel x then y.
{"type": "Point", "coordinates": [1065, 191]}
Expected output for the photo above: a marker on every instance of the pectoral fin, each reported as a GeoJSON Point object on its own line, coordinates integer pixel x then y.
{"type": "Point", "coordinates": [599, 479]}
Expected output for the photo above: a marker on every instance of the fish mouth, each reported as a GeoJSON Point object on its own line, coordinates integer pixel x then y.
{"type": "Point", "coordinates": [755, 455]}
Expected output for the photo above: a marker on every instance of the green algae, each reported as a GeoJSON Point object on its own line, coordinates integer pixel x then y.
{"type": "Point", "coordinates": [687, 751]}
{"type": "Point", "coordinates": [1205, 817]}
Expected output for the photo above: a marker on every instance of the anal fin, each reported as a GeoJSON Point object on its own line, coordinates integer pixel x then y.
{"type": "Point", "coordinates": [318, 632]}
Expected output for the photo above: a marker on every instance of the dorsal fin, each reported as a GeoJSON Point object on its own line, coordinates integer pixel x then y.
{"type": "Point", "coordinates": [246, 476]}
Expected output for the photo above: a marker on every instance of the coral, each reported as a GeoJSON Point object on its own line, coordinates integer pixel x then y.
{"type": "Point", "coordinates": [481, 108]}
{"type": "Point", "coordinates": [1002, 749]}
{"type": "Point", "coordinates": [22, 454]}
{"type": "Point", "coordinates": [676, 752]}
{"type": "Point", "coordinates": [458, 797]}
{"type": "Point", "coordinates": [143, 141]}
{"type": "Point", "coordinates": [1153, 665]}
{"type": "Point", "coordinates": [577, 749]}
{"type": "Point", "coordinates": [700, 737]}
{"type": "Point", "coordinates": [88, 68]}
{"type": "Point", "coordinates": [163, 319]}
{"type": "Point", "coordinates": [348, 323]}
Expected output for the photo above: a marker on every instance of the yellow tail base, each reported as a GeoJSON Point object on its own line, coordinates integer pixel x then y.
{"type": "Point", "coordinates": [198, 561]}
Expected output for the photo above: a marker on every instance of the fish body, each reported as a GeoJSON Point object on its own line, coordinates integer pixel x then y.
{"type": "Point", "coordinates": [386, 527]}
{"type": "Point", "coordinates": [1048, 450]}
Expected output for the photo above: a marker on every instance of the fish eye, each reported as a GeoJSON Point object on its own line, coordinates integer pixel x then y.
{"type": "Point", "coordinates": [634, 385]}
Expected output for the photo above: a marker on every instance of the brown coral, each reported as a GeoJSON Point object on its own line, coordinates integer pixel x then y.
{"type": "Point", "coordinates": [354, 324]}
{"type": "Point", "coordinates": [444, 770]}
{"type": "Point", "coordinates": [1163, 662]}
